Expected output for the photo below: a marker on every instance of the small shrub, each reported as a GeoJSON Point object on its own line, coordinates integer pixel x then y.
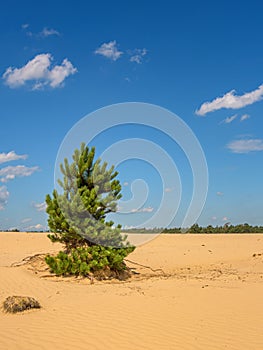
{"type": "Point", "coordinates": [14, 304]}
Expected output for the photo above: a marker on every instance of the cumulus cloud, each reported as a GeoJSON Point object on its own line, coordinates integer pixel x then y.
{"type": "Point", "coordinates": [142, 210]}
{"type": "Point", "coordinates": [4, 194]}
{"type": "Point", "coordinates": [25, 27]}
{"type": "Point", "coordinates": [40, 206]}
{"type": "Point", "coordinates": [225, 218]}
{"type": "Point", "coordinates": [232, 101]}
{"type": "Point", "coordinates": [126, 183]}
{"type": "Point", "coordinates": [245, 146]}
{"type": "Point", "coordinates": [35, 69]}
{"type": "Point", "coordinates": [109, 50]}
{"type": "Point", "coordinates": [244, 117]}
{"type": "Point", "coordinates": [8, 157]}
{"type": "Point", "coordinates": [229, 120]}
{"type": "Point", "coordinates": [59, 73]}
{"type": "Point", "coordinates": [137, 55]}
{"type": "Point", "coordinates": [219, 193]}
{"type": "Point", "coordinates": [37, 227]}
{"type": "Point", "coordinates": [48, 32]}
{"type": "Point", "coordinates": [44, 33]}
{"type": "Point", "coordinates": [11, 172]}
{"type": "Point", "coordinates": [39, 71]}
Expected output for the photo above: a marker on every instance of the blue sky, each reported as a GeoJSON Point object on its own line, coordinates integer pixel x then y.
{"type": "Point", "coordinates": [200, 60]}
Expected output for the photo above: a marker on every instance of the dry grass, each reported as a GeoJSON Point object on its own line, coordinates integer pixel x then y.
{"type": "Point", "coordinates": [14, 304]}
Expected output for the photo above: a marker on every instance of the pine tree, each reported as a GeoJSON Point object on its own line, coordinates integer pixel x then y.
{"type": "Point", "coordinates": [77, 217]}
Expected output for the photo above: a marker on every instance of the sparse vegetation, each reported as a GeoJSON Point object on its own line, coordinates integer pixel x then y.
{"type": "Point", "coordinates": [14, 304]}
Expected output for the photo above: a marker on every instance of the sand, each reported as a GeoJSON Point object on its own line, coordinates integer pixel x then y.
{"type": "Point", "coordinates": [206, 293]}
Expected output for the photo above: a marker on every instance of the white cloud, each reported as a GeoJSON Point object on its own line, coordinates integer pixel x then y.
{"type": "Point", "coordinates": [37, 227]}
{"type": "Point", "coordinates": [232, 101]}
{"type": "Point", "coordinates": [45, 32]}
{"type": "Point", "coordinates": [129, 227]}
{"type": "Point", "coordinates": [137, 55]}
{"type": "Point", "coordinates": [38, 86]}
{"type": "Point", "coordinates": [40, 206]}
{"type": "Point", "coordinates": [225, 218]}
{"type": "Point", "coordinates": [245, 146]}
{"type": "Point", "coordinates": [244, 117]}
{"type": "Point", "coordinates": [219, 193]}
{"type": "Point", "coordinates": [4, 194]}
{"type": "Point", "coordinates": [229, 120]}
{"type": "Point", "coordinates": [59, 73]}
{"type": "Point", "coordinates": [214, 218]}
{"type": "Point", "coordinates": [126, 183]}
{"type": "Point", "coordinates": [35, 69]}
{"type": "Point", "coordinates": [109, 50]}
{"type": "Point", "coordinates": [142, 210]}
{"type": "Point", "coordinates": [26, 220]}
{"type": "Point", "coordinates": [8, 157]}
{"type": "Point", "coordinates": [48, 32]}
{"type": "Point", "coordinates": [39, 71]}
{"type": "Point", "coordinates": [168, 189]}
{"type": "Point", "coordinates": [11, 172]}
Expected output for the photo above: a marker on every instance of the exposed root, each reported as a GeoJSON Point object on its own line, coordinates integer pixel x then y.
{"type": "Point", "coordinates": [37, 264]}
{"type": "Point", "coordinates": [146, 267]}
{"type": "Point", "coordinates": [26, 260]}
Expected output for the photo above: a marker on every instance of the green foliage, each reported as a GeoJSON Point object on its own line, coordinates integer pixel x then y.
{"type": "Point", "coordinates": [90, 192]}
{"type": "Point", "coordinates": [77, 218]}
{"type": "Point", "coordinates": [85, 260]}
{"type": "Point", "coordinates": [195, 229]}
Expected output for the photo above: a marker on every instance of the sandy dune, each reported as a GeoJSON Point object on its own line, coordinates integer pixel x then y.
{"type": "Point", "coordinates": [205, 293]}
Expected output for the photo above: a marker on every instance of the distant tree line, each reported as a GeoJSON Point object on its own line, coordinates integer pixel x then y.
{"type": "Point", "coordinates": [227, 228]}
{"type": "Point", "coordinates": [17, 230]}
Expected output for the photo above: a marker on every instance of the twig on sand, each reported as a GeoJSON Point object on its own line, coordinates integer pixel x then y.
{"type": "Point", "coordinates": [146, 267]}
{"type": "Point", "coordinates": [91, 278]}
{"type": "Point", "coordinates": [25, 260]}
